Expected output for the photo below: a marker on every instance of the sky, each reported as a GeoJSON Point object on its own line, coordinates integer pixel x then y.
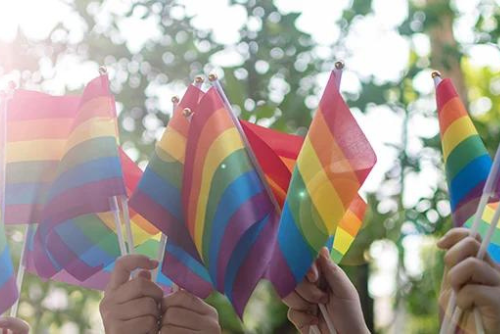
{"type": "Point", "coordinates": [374, 49]}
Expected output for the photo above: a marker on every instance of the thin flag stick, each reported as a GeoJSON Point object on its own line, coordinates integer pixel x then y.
{"type": "Point", "coordinates": [128, 224]}
{"type": "Point", "coordinates": [216, 83]}
{"type": "Point", "coordinates": [339, 68]}
{"type": "Point", "coordinates": [22, 261]}
{"type": "Point", "coordinates": [163, 240]}
{"type": "Point", "coordinates": [449, 324]}
{"type": "Point", "coordinates": [116, 215]}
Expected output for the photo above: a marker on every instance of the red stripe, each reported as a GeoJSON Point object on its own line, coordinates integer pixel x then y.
{"type": "Point", "coordinates": [445, 91]}
{"type": "Point", "coordinates": [27, 105]}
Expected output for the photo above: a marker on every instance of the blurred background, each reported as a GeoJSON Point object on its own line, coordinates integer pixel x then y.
{"type": "Point", "coordinates": [274, 59]}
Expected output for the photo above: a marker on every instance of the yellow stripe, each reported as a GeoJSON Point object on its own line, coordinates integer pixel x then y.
{"type": "Point", "coordinates": [488, 215]}
{"type": "Point", "coordinates": [173, 143]}
{"type": "Point", "coordinates": [90, 129]}
{"type": "Point", "coordinates": [324, 196]}
{"type": "Point", "coordinates": [35, 150]}
{"type": "Point", "coordinates": [342, 241]}
{"type": "Point", "coordinates": [457, 132]}
{"type": "Point", "coordinates": [225, 144]}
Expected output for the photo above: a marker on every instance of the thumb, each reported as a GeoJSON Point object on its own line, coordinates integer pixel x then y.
{"type": "Point", "coordinates": [337, 280]}
{"type": "Point", "coordinates": [125, 265]}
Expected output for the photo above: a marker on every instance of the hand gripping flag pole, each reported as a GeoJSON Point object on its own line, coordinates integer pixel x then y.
{"type": "Point", "coordinates": [449, 323]}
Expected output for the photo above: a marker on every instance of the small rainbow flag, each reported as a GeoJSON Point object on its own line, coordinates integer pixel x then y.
{"type": "Point", "coordinates": [38, 126]}
{"type": "Point", "coordinates": [158, 199]}
{"type": "Point", "coordinates": [8, 287]}
{"type": "Point", "coordinates": [277, 154]}
{"type": "Point", "coordinates": [226, 203]}
{"type": "Point", "coordinates": [467, 162]}
{"type": "Point", "coordinates": [88, 175]}
{"type": "Point", "coordinates": [333, 163]}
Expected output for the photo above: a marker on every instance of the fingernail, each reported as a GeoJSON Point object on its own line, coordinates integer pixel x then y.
{"type": "Point", "coordinates": [154, 263]}
{"type": "Point", "coordinates": [325, 253]}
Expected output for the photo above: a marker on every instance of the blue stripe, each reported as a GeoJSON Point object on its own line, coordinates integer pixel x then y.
{"type": "Point", "coordinates": [494, 251]}
{"type": "Point", "coordinates": [25, 193]}
{"type": "Point", "coordinates": [329, 242]}
{"type": "Point", "coordinates": [6, 269]}
{"type": "Point", "coordinates": [240, 254]}
{"type": "Point", "coordinates": [235, 195]}
{"type": "Point", "coordinates": [89, 172]}
{"type": "Point", "coordinates": [188, 261]}
{"type": "Point", "coordinates": [162, 192]}
{"type": "Point", "coordinates": [293, 246]}
{"type": "Point", "coordinates": [469, 177]}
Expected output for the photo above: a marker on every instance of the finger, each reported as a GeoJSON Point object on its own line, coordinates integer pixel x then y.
{"type": "Point", "coordinates": [467, 247]}
{"type": "Point", "coordinates": [185, 318]}
{"type": "Point", "coordinates": [301, 320]}
{"type": "Point", "coordinates": [473, 270]}
{"type": "Point", "coordinates": [453, 236]}
{"type": "Point", "coordinates": [17, 326]}
{"type": "Point", "coordinates": [311, 293]}
{"type": "Point", "coordinates": [473, 295]}
{"type": "Point", "coordinates": [136, 308]}
{"type": "Point", "coordinates": [295, 301]}
{"type": "Point", "coordinates": [140, 325]}
{"type": "Point", "coordinates": [336, 278]}
{"type": "Point", "coordinates": [137, 288]}
{"type": "Point", "coordinates": [145, 274]}
{"type": "Point", "coordinates": [183, 299]}
{"type": "Point", "coordinates": [124, 267]}
{"type": "Point", "coordinates": [175, 330]}
{"type": "Point", "coordinates": [313, 274]}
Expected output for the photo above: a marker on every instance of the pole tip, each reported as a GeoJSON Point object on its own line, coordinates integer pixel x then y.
{"type": "Point", "coordinates": [199, 80]}
{"type": "Point", "coordinates": [187, 112]}
{"type": "Point", "coordinates": [436, 74]}
{"type": "Point", "coordinates": [212, 77]}
{"type": "Point", "coordinates": [103, 70]}
{"type": "Point", "coordinates": [175, 99]}
{"type": "Point", "coordinates": [339, 65]}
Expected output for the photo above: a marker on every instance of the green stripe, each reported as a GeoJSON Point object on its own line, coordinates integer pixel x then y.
{"type": "Point", "coordinates": [31, 171]}
{"type": "Point", "coordinates": [235, 164]}
{"type": "Point", "coordinates": [148, 248]}
{"type": "Point", "coordinates": [171, 171]}
{"type": "Point", "coordinates": [463, 154]}
{"type": "Point", "coordinates": [92, 227]}
{"type": "Point", "coordinates": [483, 230]}
{"type": "Point", "coordinates": [305, 213]}
{"type": "Point", "coordinates": [336, 256]}
{"type": "Point", "coordinates": [88, 150]}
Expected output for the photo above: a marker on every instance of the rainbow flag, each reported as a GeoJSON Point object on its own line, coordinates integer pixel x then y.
{"type": "Point", "coordinates": [277, 154]}
{"type": "Point", "coordinates": [158, 199]}
{"type": "Point", "coordinates": [88, 175]}
{"type": "Point", "coordinates": [38, 126]}
{"type": "Point", "coordinates": [226, 203]}
{"type": "Point", "coordinates": [467, 162]}
{"type": "Point", "coordinates": [8, 287]}
{"type": "Point", "coordinates": [333, 163]}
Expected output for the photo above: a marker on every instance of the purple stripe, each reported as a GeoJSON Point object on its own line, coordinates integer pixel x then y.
{"type": "Point", "coordinates": [247, 215]}
{"type": "Point", "coordinates": [8, 294]}
{"type": "Point", "coordinates": [468, 206]}
{"type": "Point", "coordinates": [182, 276]}
{"type": "Point", "coordinates": [255, 265]}
{"type": "Point", "coordinates": [22, 214]}
{"type": "Point", "coordinates": [279, 273]}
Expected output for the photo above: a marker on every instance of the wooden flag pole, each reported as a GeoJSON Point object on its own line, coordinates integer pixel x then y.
{"type": "Point", "coordinates": [449, 324]}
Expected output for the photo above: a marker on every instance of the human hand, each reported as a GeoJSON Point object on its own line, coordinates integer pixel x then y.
{"type": "Point", "coordinates": [339, 296]}
{"type": "Point", "coordinates": [475, 282]}
{"type": "Point", "coordinates": [186, 313]}
{"type": "Point", "coordinates": [131, 306]}
{"type": "Point", "coordinates": [14, 325]}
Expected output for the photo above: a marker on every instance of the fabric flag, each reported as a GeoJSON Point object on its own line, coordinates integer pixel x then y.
{"type": "Point", "coordinates": [226, 203]}
{"type": "Point", "coordinates": [333, 163]}
{"type": "Point", "coordinates": [467, 163]}
{"type": "Point", "coordinates": [158, 199]}
{"type": "Point", "coordinates": [38, 126]}
{"type": "Point", "coordinates": [8, 287]}
{"type": "Point", "coordinates": [88, 175]}
{"type": "Point", "coordinates": [99, 233]}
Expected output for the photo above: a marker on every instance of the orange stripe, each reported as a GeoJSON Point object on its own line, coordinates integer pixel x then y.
{"type": "Point", "coordinates": [39, 129]}
{"type": "Point", "coordinates": [102, 106]}
{"type": "Point", "coordinates": [218, 122]}
{"type": "Point", "coordinates": [337, 167]}
{"type": "Point", "coordinates": [279, 193]}
{"type": "Point", "coordinates": [353, 218]}
{"type": "Point", "coordinates": [179, 123]}
{"type": "Point", "coordinates": [452, 110]}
